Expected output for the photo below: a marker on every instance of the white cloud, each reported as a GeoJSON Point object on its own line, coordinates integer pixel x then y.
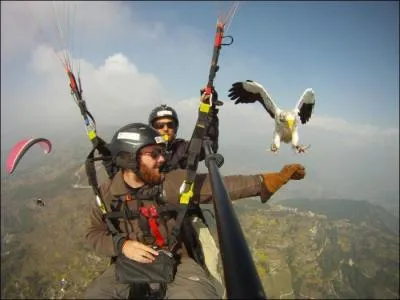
{"type": "Point", "coordinates": [345, 157]}
{"type": "Point", "coordinates": [343, 126]}
{"type": "Point", "coordinates": [61, 24]}
{"type": "Point", "coordinates": [114, 91]}
{"type": "Point", "coordinates": [17, 33]}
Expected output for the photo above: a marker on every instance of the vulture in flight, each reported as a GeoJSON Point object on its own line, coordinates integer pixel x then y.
{"type": "Point", "coordinates": [285, 130]}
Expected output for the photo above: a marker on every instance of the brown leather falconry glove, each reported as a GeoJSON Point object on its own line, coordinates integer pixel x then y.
{"type": "Point", "coordinates": [274, 181]}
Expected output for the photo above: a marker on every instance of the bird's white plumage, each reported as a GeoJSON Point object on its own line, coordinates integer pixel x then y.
{"type": "Point", "coordinates": [308, 97]}
{"type": "Point", "coordinates": [256, 88]}
{"type": "Point", "coordinates": [285, 121]}
{"type": "Point", "coordinates": [305, 105]}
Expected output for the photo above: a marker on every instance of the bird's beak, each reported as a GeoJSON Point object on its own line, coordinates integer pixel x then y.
{"type": "Point", "coordinates": [290, 123]}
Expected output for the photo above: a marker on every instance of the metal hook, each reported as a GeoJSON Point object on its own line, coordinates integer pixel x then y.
{"type": "Point", "coordinates": [229, 43]}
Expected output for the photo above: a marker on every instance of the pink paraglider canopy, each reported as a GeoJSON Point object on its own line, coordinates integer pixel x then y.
{"type": "Point", "coordinates": [20, 148]}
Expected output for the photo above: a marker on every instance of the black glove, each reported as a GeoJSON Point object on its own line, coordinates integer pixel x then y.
{"type": "Point", "coordinates": [215, 100]}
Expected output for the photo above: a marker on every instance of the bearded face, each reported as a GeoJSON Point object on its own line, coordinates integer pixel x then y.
{"type": "Point", "coordinates": [150, 162]}
{"type": "Point", "coordinates": [150, 175]}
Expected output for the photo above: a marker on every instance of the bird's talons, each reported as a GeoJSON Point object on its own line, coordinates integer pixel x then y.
{"type": "Point", "coordinates": [301, 148]}
{"type": "Point", "coordinates": [274, 149]}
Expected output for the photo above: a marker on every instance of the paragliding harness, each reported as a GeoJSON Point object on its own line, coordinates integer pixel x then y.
{"type": "Point", "coordinates": [198, 137]}
{"type": "Point", "coordinates": [147, 280]}
{"type": "Point", "coordinates": [164, 271]}
{"type": "Point", "coordinates": [101, 146]}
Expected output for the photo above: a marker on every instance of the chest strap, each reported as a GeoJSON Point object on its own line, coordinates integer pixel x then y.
{"type": "Point", "coordinates": [148, 219]}
{"type": "Point", "coordinates": [152, 215]}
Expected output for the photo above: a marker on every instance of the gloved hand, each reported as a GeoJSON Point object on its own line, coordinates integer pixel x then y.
{"type": "Point", "coordinates": [272, 182]}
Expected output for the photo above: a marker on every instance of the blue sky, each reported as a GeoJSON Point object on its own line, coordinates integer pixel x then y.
{"type": "Point", "coordinates": [348, 50]}
{"type": "Point", "coordinates": [136, 55]}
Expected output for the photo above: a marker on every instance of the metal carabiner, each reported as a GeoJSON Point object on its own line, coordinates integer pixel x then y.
{"type": "Point", "coordinates": [231, 40]}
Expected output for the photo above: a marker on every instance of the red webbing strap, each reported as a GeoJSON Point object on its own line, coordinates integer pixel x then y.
{"type": "Point", "coordinates": [151, 214]}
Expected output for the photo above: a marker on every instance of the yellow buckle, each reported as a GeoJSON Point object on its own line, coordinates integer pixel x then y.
{"type": "Point", "coordinates": [186, 196]}
{"type": "Point", "coordinates": [204, 107]}
{"type": "Point", "coordinates": [91, 134]}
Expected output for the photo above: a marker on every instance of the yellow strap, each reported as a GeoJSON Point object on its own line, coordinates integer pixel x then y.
{"type": "Point", "coordinates": [186, 196]}
{"type": "Point", "coordinates": [91, 134]}
{"type": "Point", "coordinates": [204, 107]}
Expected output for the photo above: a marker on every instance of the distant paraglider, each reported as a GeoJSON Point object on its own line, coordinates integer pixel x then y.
{"type": "Point", "coordinates": [40, 202]}
{"type": "Point", "coordinates": [20, 148]}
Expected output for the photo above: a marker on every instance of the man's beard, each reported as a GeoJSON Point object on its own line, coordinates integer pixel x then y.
{"type": "Point", "coordinates": [150, 176]}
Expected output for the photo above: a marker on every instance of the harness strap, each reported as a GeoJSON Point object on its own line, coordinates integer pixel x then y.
{"type": "Point", "coordinates": [151, 214]}
{"type": "Point", "coordinates": [119, 214]}
{"type": "Point", "coordinates": [161, 210]}
{"type": "Point", "coordinates": [100, 145]}
{"type": "Point", "coordinates": [193, 152]}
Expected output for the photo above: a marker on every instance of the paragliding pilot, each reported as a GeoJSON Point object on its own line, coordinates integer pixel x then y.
{"type": "Point", "coordinates": [40, 202]}
{"type": "Point", "coordinates": [136, 224]}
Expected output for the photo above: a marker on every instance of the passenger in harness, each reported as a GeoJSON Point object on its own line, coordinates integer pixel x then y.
{"type": "Point", "coordinates": [136, 225]}
{"type": "Point", "coordinates": [204, 247]}
{"type": "Point", "coordinates": [165, 120]}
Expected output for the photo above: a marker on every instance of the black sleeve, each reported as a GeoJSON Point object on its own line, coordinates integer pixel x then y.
{"type": "Point", "coordinates": [176, 156]}
{"type": "Point", "coordinates": [213, 129]}
{"type": "Point", "coordinates": [212, 132]}
{"type": "Point", "coordinates": [181, 154]}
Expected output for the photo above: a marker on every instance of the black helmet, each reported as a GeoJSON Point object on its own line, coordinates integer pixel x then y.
{"type": "Point", "coordinates": [163, 111]}
{"type": "Point", "coordinates": [131, 138]}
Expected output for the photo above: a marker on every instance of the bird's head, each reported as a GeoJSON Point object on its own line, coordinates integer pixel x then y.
{"type": "Point", "coordinates": [287, 119]}
{"type": "Point", "coordinates": [290, 119]}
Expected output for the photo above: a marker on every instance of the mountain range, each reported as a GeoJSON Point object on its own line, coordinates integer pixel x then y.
{"type": "Point", "coordinates": [311, 249]}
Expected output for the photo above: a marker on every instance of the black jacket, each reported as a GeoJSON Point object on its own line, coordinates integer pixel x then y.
{"type": "Point", "coordinates": [176, 157]}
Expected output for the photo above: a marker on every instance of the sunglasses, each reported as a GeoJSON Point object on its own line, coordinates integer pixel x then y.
{"type": "Point", "coordinates": [155, 153]}
{"type": "Point", "coordinates": [160, 125]}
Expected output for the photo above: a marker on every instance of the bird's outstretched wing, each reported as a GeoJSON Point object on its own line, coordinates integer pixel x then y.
{"type": "Point", "coordinates": [305, 105]}
{"type": "Point", "coordinates": [250, 91]}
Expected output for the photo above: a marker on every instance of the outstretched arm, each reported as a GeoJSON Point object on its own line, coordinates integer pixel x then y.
{"type": "Point", "coordinates": [238, 186]}
{"type": "Point", "coordinates": [212, 132]}
{"type": "Point", "coordinates": [274, 181]}
{"type": "Point", "coordinates": [244, 186]}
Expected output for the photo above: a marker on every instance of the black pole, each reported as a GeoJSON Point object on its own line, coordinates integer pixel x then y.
{"type": "Point", "coordinates": [241, 277]}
